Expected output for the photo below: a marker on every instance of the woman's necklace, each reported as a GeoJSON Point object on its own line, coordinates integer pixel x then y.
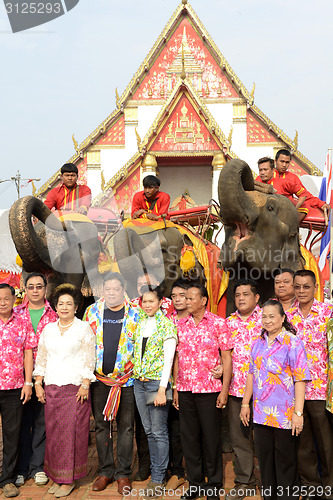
{"type": "Point", "coordinates": [64, 327]}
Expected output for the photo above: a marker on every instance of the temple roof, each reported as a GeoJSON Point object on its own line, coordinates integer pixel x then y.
{"type": "Point", "coordinates": [209, 78]}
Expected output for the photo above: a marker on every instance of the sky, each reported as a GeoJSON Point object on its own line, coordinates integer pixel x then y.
{"type": "Point", "coordinates": [60, 78]}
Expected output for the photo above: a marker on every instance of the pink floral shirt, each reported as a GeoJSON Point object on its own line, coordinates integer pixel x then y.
{"type": "Point", "coordinates": [48, 316]}
{"type": "Point", "coordinates": [198, 352]}
{"type": "Point", "coordinates": [243, 333]}
{"type": "Point", "coordinates": [312, 331]}
{"type": "Point", "coordinates": [15, 338]}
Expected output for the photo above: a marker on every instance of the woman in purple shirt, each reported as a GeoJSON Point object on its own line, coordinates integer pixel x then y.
{"type": "Point", "coordinates": [277, 376]}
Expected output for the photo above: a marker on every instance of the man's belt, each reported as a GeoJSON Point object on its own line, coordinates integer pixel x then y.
{"type": "Point", "coordinates": [144, 379]}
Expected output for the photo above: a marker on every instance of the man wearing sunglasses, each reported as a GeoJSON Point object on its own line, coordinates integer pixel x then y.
{"type": "Point", "coordinates": [36, 313]}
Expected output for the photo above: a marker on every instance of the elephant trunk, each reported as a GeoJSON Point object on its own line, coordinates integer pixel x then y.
{"type": "Point", "coordinates": [30, 246]}
{"type": "Point", "coordinates": [237, 207]}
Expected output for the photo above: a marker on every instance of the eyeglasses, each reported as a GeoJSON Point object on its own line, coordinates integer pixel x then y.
{"type": "Point", "coordinates": [33, 287]}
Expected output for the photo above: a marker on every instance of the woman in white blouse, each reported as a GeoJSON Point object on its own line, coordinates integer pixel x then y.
{"type": "Point", "coordinates": [65, 361]}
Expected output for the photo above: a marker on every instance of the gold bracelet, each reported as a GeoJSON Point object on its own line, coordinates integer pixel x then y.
{"type": "Point", "coordinates": [38, 382]}
{"type": "Point", "coordinates": [245, 406]}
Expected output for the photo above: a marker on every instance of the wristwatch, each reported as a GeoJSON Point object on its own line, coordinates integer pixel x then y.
{"type": "Point", "coordinates": [30, 384]}
{"type": "Point", "coordinates": [298, 413]}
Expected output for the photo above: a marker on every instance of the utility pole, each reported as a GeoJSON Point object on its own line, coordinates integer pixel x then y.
{"type": "Point", "coordinates": [17, 179]}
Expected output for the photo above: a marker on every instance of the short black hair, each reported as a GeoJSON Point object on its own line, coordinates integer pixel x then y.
{"type": "Point", "coordinates": [247, 282]}
{"type": "Point", "coordinates": [157, 290]}
{"type": "Point", "coordinates": [114, 276]}
{"type": "Point", "coordinates": [284, 270]}
{"type": "Point", "coordinates": [306, 272]}
{"type": "Point", "coordinates": [266, 159]}
{"type": "Point", "coordinates": [284, 152]}
{"type": "Point", "coordinates": [181, 283]}
{"type": "Point", "coordinates": [66, 289]}
{"type": "Point", "coordinates": [6, 285]}
{"type": "Point", "coordinates": [151, 181]}
{"type": "Point", "coordinates": [69, 167]}
{"type": "Point", "coordinates": [199, 286]}
{"type": "Point", "coordinates": [35, 275]}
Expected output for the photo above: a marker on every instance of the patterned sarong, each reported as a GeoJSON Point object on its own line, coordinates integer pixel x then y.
{"type": "Point", "coordinates": [67, 433]}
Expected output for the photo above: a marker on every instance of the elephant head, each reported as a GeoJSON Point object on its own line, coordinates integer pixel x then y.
{"type": "Point", "coordinates": [261, 228]}
{"type": "Point", "coordinates": [157, 252]}
{"type": "Point", "coordinates": [66, 251]}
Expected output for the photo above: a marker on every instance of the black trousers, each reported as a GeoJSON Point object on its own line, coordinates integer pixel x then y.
{"type": "Point", "coordinates": [317, 428]}
{"type": "Point", "coordinates": [11, 410]}
{"type": "Point", "coordinates": [277, 453]}
{"type": "Point", "coordinates": [242, 442]}
{"type": "Point", "coordinates": [125, 432]}
{"type": "Point", "coordinates": [175, 450]}
{"type": "Point", "coordinates": [32, 438]}
{"type": "Point", "coordinates": [200, 432]}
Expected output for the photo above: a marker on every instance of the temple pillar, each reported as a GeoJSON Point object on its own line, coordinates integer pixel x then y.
{"type": "Point", "coordinates": [218, 162]}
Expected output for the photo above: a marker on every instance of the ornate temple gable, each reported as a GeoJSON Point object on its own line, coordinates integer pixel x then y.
{"type": "Point", "coordinates": [123, 193]}
{"type": "Point", "coordinates": [184, 131]}
{"type": "Point", "coordinates": [114, 135]}
{"type": "Point", "coordinates": [184, 126]}
{"type": "Point", "coordinates": [257, 132]}
{"type": "Point", "coordinates": [297, 168]}
{"type": "Point", "coordinates": [201, 68]}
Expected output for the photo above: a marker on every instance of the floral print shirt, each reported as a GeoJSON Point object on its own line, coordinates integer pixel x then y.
{"type": "Point", "coordinates": [312, 331]}
{"type": "Point", "coordinates": [329, 395]}
{"type": "Point", "coordinates": [94, 314]}
{"type": "Point", "coordinates": [48, 316]}
{"type": "Point", "coordinates": [275, 370]}
{"type": "Point", "coordinates": [243, 333]}
{"type": "Point", "coordinates": [15, 338]}
{"type": "Point", "coordinates": [198, 352]}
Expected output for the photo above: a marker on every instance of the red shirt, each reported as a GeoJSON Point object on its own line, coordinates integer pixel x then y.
{"type": "Point", "coordinates": [289, 185]}
{"type": "Point", "coordinates": [68, 199]}
{"type": "Point", "coordinates": [160, 207]}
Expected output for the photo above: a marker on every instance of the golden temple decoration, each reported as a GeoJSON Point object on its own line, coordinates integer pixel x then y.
{"type": "Point", "coordinates": [149, 163]}
{"type": "Point", "coordinates": [230, 137]}
{"type": "Point", "coordinates": [117, 98]}
{"type": "Point", "coordinates": [184, 2]}
{"type": "Point", "coordinates": [33, 188]}
{"type": "Point", "coordinates": [138, 139]}
{"type": "Point", "coordinates": [295, 141]}
{"type": "Point", "coordinates": [76, 146]}
{"type": "Point", "coordinates": [219, 161]}
{"type": "Point", "coordinates": [103, 183]}
{"type": "Point", "coordinates": [183, 73]}
{"type": "Point", "coordinates": [251, 100]}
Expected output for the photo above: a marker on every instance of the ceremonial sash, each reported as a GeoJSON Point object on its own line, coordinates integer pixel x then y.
{"type": "Point", "coordinates": [112, 403]}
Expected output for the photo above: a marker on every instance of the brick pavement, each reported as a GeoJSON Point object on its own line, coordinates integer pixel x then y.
{"type": "Point", "coordinates": [83, 489]}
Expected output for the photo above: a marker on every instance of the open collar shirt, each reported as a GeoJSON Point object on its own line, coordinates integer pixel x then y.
{"type": "Point", "coordinates": [312, 331]}
{"type": "Point", "coordinates": [198, 352]}
{"type": "Point", "coordinates": [275, 370]}
{"type": "Point", "coordinates": [243, 334]}
{"type": "Point", "coordinates": [48, 316]}
{"type": "Point", "coordinates": [15, 338]}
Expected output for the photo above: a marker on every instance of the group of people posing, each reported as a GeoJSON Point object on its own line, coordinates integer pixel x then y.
{"type": "Point", "coordinates": [178, 365]}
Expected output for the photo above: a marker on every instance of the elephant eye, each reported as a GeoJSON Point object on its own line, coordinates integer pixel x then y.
{"type": "Point", "coordinates": [270, 208]}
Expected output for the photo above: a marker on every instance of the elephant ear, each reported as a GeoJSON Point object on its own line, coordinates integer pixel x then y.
{"type": "Point", "coordinates": [128, 248]}
{"type": "Point", "coordinates": [291, 256]}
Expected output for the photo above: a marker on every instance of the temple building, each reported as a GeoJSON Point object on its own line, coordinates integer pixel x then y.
{"type": "Point", "coordinates": [182, 116]}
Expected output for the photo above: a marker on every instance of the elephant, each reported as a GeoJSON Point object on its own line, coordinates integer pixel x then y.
{"type": "Point", "coordinates": [156, 251]}
{"type": "Point", "coordinates": [261, 229]}
{"type": "Point", "coordinates": [66, 251]}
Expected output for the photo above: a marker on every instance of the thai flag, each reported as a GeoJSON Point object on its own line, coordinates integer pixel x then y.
{"type": "Point", "coordinates": [326, 195]}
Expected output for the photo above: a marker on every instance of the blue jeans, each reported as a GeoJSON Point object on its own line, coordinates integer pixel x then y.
{"type": "Point", "coordinates": [155, 423]}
